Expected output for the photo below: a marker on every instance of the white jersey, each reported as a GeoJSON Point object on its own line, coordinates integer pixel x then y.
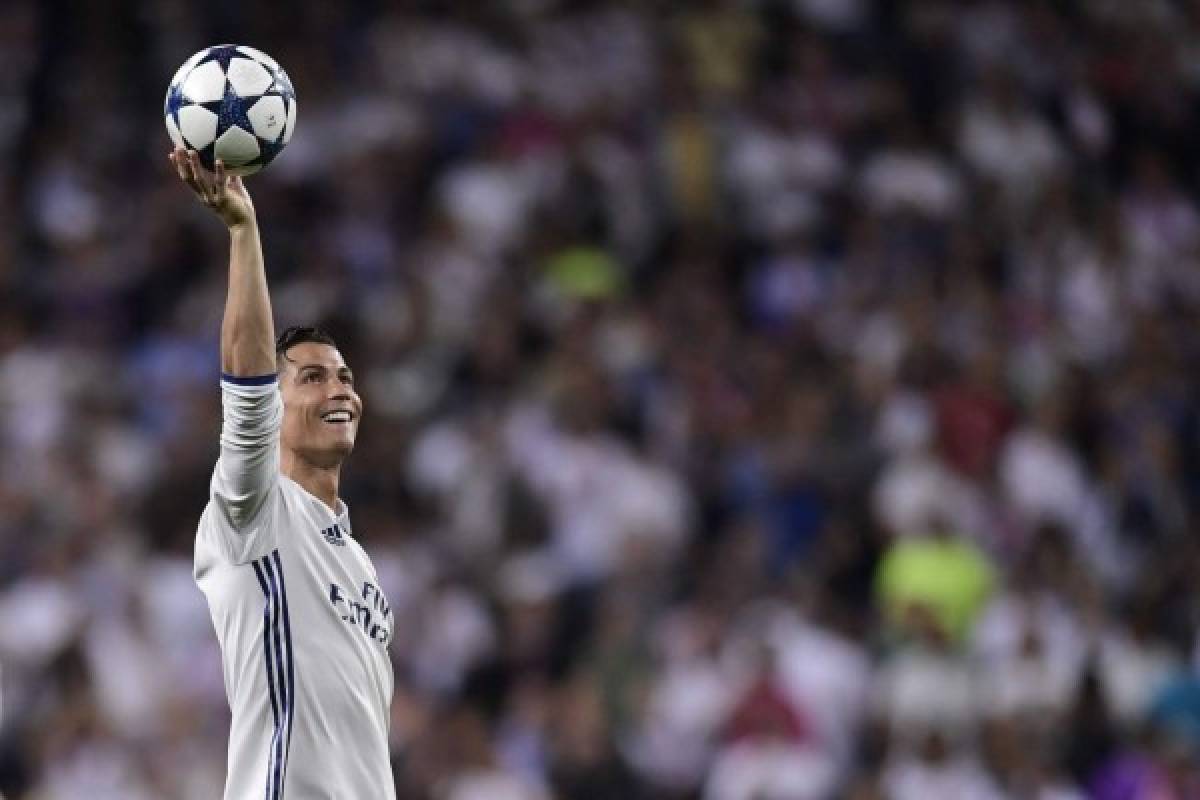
{"type": "Point", "coordinates": [303, 625]}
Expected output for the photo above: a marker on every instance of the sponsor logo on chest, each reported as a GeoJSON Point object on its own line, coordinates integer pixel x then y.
{"type": "Point", "coordinates": [371, 614]}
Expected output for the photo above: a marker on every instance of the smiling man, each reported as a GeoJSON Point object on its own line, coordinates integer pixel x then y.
{"type": "Point", "coordinates": [303, 625]}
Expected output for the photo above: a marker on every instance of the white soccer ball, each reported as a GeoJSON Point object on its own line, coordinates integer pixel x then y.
{"type": "Point", "coordinates": [233, 103]}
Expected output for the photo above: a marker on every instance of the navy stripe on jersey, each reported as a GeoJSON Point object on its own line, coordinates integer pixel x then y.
{"type": "Point", "coordinates": [277, 737]}
{"type": "Point", "coordinates": [267, 626]}
{"type": "Point", "coordinates": [249, 380]}
{"type": "Point", "coordinates": [291, 672]}
{"type": "Point", "coordinates": [277, 652]}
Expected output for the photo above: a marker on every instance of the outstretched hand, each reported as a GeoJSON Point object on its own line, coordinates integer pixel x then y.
{"type": "Point", "coordinates": [223, 193]}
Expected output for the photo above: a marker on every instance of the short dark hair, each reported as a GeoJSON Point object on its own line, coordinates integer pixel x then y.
{"type": "Point", "coordinates": [300, 334]}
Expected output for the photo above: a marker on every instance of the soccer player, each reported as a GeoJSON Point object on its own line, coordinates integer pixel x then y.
{"type": "Point", "coordinates": [303, 625]}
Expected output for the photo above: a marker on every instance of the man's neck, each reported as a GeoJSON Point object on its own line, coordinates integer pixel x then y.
{"type": "Point", "coordinates": [320, 482]}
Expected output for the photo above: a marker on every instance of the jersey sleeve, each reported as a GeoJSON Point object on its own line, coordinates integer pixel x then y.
{"type": "Point", "coordinates": [244, 490]}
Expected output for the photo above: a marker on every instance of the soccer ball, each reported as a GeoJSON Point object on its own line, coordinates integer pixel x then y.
{"type": "Point", "coordinates": [233, 103]}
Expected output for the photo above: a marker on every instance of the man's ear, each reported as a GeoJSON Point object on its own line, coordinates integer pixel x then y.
{"type": "Point", "coordinates": [281, 365]}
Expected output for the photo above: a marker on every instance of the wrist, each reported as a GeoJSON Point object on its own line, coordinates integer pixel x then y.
{"type": "Point", "coordinates": [242, 225]}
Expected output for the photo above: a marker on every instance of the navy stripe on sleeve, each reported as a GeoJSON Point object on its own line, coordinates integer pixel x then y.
{"type": "Point", "coordinates": [250, 380]}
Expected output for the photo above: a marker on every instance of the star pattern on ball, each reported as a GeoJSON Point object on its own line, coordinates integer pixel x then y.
{"type": "Point", "coordinates": [222, 54]}
{"type": "Point", "coordinates": [175, 101]}
{"type": "Point", "coordinates": [231, 110]}
{"type": "Point", "coordinates": [234, 103]}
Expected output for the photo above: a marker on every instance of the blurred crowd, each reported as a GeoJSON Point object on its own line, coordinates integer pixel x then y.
{"type": "Point", "coordinates": [766, 399]}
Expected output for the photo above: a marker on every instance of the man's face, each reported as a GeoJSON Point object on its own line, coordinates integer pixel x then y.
{"type": "Point", "coordinates": [320, 407]}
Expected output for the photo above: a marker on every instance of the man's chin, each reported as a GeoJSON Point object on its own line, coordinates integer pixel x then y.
{"type": "Point", "coordinates": [341, 449]}
{"type": "Point", "coordinates": [330, 454]}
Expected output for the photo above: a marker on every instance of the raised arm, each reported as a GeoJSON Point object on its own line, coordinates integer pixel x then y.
{"type": "Point", "coordinates": [247, 332]}
{"type": "Point", "coordinates": [248, 469]}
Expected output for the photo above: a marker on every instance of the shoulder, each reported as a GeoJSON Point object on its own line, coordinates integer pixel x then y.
{"type": "Point", "coordinates": [238, 540]}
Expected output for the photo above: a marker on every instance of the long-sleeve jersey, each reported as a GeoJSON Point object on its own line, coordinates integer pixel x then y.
{"type": "Point", "coordinates": [304, 627]}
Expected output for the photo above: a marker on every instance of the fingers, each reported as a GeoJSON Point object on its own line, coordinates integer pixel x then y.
{"type": "Point", "coordinates": [182, 166]}
{"type": "Point", "coordinates": [203, 185]}
{"type": "Point", "coordinates": [187, 165]}
{"type": "Point", "coordinates": [210, 187]}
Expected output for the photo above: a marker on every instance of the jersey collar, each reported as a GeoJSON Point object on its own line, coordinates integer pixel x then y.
{"type": "Point", "coordinates": [342, 518]}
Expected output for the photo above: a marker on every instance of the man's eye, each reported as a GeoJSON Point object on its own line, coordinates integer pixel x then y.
{"type": "Point", "coordinates": [312, 377]}
{"type": "Point", "coordinates": [348, 379]}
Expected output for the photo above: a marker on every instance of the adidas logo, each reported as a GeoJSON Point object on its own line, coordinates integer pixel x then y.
{"type": "Point", "coordinates": [334, 536]}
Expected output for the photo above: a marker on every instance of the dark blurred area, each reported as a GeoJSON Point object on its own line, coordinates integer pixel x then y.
{"type": "Point", "coordinates": [766, 400]}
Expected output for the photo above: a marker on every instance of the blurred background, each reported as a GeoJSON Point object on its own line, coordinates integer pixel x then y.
{"type": "Point", "coordinates": [766, 399]}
